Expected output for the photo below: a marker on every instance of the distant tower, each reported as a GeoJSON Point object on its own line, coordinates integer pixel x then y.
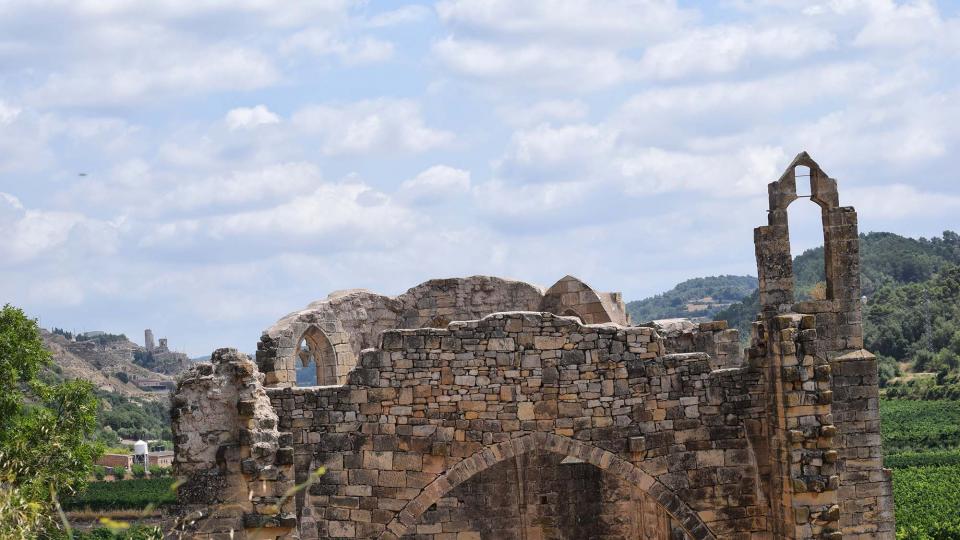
{"type": "Point", "coordinates": [148, 339]}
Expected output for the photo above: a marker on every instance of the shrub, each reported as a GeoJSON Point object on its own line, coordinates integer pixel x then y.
{"type": "Point", "coordinates": [119, 473]}
{"type": "Point", "coordinates": [139, 471]}
{"type": "Point", "coordinates": [99, 473]}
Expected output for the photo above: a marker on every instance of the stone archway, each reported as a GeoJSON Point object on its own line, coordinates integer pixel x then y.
{"type": "Point", "coordinates": [558, 444]}
{"type": "Point", "coordinates": [315, 348]}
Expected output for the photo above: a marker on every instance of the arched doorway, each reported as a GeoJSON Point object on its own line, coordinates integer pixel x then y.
{"type": "Point", "coordinates": [316, 359]}
{"type": "Point", "coordinates": [667, 516]}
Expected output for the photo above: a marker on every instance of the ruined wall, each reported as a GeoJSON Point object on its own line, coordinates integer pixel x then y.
{"type": "Point", "coordinates": [521, 417]}
{"type": "Point", "coordinates": [434, 399]}
{"type": "Point", "coordinates": [547, 496]}
{"type": "Point", "coordinates": [831, 334]}
{"type": "Point", "coordinates": [353, 320]}
{"type": "Point", "coordinates": [234, 463]}
{"type": "Point", "coordinates": [713, 338]}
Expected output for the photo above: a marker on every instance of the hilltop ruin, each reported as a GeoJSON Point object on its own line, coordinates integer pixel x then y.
{"type": "Point", "coordinates": [486, 408]}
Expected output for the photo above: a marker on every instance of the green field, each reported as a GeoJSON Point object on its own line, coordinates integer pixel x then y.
{"type": "Point", "coordinates": [927, 502]}
{"type": "Point", "coordinates": [921, 440]}
{"type": "Point", "coordinates": [920, 425]}
{"type": "Point", "coordinates": [124, 495]}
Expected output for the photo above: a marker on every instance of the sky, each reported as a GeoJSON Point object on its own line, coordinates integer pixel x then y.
{"type": "Point", "coordinates": [203, 168]}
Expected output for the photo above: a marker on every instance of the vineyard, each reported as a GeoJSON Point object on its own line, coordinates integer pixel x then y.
{"type": "Point", "coordinates": [920, 425]}
{"type": "Point", "coordinates": [922, 444]}
{"type": "Point", "coordinates": [124, 494]}
{"type": "Point", "coordinates": [928, 502]}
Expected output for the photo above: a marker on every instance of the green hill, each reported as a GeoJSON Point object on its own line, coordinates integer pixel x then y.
{"type": "Point", "coordinates": [886, 259]}
{"type": "Point", "coordinates": [698, 297]}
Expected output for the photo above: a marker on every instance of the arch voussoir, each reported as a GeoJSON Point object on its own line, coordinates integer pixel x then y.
{"type": "Point", "coordinates": [483, 459]}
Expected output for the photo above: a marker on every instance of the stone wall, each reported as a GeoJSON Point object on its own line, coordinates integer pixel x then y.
{"type": "Point", "coordinates": [436, 400]}
{"type": "Point", "coordinates": [532, 424]}
{"type": "Point", "coordinates": [831, 333]}
{"type": "Point", "coordinates": [353, 320]}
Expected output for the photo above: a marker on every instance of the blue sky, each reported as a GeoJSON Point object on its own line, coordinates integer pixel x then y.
{"type": "Point", "coordinates": [244, 158]}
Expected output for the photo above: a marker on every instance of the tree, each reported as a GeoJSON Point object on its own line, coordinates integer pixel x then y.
{"type": "Point", "coordinates": [44, 428]}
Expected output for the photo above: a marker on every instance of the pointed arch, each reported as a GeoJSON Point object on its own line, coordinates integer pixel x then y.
{"type": "Point", "coordinates": [314, 348]}
{"type": "Point", "coordinates": [607, 461]}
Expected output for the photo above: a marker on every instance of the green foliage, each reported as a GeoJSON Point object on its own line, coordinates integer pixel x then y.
{"type": "Point", "coordinates": [119, 473]}
{"type": "Point", "coordinates": [919, 425]}
{"type": "Point", "coordinates": [144, 358]}
{"type": "Point", "coordinates": [123, 377]}
{"type": "Point", "coordinates": [44, 429]}
{"type": "Point", "coordinates": [157, 471]}
{"type": "Point", "coordinates": [942, 385]}
{"type": "Point", "coordinates": [62, 332]}
{"type": "Point", "coordinates": [22, 355]}
{"type": "Point", "coordinates": [922, 459]}
{"type": "Point", "coordinates": [927, 502]}
{"type": "Point", "coordinates": [132, 418]}
{"type": "Point", "coordinates": [22, 518]}
{"type": "Point", "coordinates": [139, 471]}
{"type": "Point", "coordinates": [895, 271]}
{"type": "Point", "coordinates": [910, 321]}
{"type": "Point", "coordinates": [99, 472]}
{"type": "Point", "coordinates": [124, 495]}
{"type": "Point", "coordinates": [887, 368]}
{"type": "Point", "coordinates": [723, 289]}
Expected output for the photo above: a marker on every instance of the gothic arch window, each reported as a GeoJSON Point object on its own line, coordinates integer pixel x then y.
{"type": "Point", "coordinates": [316, 360]}
{"type": "Point", "coordinates": [806, 232]}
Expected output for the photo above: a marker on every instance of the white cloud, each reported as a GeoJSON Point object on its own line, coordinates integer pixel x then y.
{"type": "Point", "coordinates": [169, 72]}
{"type": "Point", "coordinates": [270, 183]}
{"type": "Point", "coordinates": [583, 21]}
{"type": "Point", "coordinates": [900, 25]}
{"type": "Point", "coordinates": [31, 234]}
{"type": "Point", "coordinates": [436, 184]}
{"type": "Point", "coordinates": [901, 201]}
{"type": "Point", "coordinates": [336, 215]}
{"type": "Point", "coordinates": [386, 125]}
{"type": "Point", "coordinates": [8, 113]}
{"type": "Point", "coordinates": [321, 41]}
{"type": "Point", "coordinates": [564, 151]}
{"type": "Point", "coordinates": [730, 47]}
{"type": "Point", "coordinates": [247, 117]}
{"type": "Point", "coordinates": [403, 15]}
{"type": "Point", "coordinates": [536, 65]}
{"type": "Point", "coordinates": [564, 110]}
{"type": "Point", "coordinates": [530, 202]}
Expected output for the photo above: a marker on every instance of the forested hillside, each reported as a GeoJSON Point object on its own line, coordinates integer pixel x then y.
{"type": "Point", "coordinates": [887, 261]}
{"type": "Point", "coordinates": [698, 297]}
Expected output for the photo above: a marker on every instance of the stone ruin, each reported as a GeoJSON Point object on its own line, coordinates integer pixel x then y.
{"type": "Point", "coordinates": [484, 408]}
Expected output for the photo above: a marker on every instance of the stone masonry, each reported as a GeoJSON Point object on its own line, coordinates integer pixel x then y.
{"type": "Point", "coordinates": [484, 408]}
